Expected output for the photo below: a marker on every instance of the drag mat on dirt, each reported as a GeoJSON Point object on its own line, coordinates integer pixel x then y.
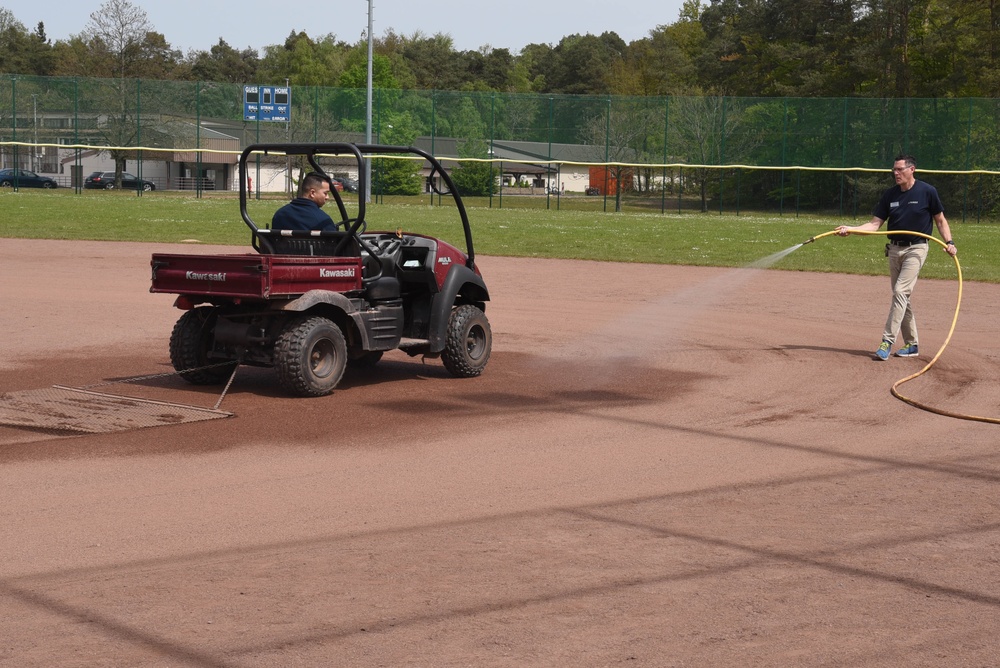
{"type": "Point", "coordinates": [76, 410]}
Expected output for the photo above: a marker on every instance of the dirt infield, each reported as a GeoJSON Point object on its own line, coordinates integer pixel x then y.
{"type": "Point", "coordinates": [662, 466]}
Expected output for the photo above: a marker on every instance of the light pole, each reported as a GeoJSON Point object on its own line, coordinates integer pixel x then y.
{"type": "Point", "coordinates": [288, 158]}
{"type": "Point", "coordinates": [368, 111]}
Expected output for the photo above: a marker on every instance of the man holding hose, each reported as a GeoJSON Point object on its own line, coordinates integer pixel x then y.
{"type": "Point", "coordinates": [909, 206]}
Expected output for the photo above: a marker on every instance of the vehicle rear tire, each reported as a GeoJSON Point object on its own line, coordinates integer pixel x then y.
{"type": "Point", "coordinates": [190, 341]}
{"type": "Point", "coordinates": [310, 357]}
{"type": "Point", "coordinates": [468, 343]}
{"type": "Point", "coordinates": [110, 186]}
{"type": "Point", "coordinates": [6, 184]}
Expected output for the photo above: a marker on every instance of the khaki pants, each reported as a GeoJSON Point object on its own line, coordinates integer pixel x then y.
{"type": "Point", "coordinates": [904, 268]}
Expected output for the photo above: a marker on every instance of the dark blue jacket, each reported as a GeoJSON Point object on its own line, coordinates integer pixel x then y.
{"type": "Point", "coordinates": [302, 214]}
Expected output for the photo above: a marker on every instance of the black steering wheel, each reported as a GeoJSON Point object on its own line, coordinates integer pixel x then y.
{"type": "Point", "coordinates": [434, 186]}
{"type": "Point", "coordinates": [350, 221]}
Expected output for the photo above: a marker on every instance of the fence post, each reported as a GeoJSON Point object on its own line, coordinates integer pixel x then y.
{"type": "Point", "coordinates": [138, 137]}
{"type": "Point", "coordinates": [843, 156]}
{"type": "Point", "coordinates": [197, 135]}
{"type": "Point", "coordinates": [607, 152]}
{"type": "Point", "coordinates": [666, 137]}
{"type": "Point", "coordinates": [493, 130]}
{"type": "Point", "coordinates": [968, 163]}
{"type": "Point", "coordinates": [784, 144]}
{"type": "Point", "coordinates": [548, 180]}
{"type": "Point", "coordinates": [76, 135]}
{"type": "Point", "coordinates": [433, 133]}
{"type": "Point", "coordinates": [722, 154]}
{"type": "Point", "coordinates": [13, 125]}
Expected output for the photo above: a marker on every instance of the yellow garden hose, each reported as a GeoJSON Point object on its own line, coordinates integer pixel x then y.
{"type": "Point", "coordinates": [954, 322]}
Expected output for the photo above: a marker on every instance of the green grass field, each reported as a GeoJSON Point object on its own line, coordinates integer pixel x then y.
{"type": "Point", "coordinates": [683, 239]}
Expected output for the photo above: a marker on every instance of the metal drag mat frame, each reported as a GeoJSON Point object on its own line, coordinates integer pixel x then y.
{"type": "Point", "coordinates": [80, 410]}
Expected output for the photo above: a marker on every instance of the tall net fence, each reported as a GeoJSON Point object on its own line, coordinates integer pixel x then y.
{"type": "Point", "coordinates": [662, 154]}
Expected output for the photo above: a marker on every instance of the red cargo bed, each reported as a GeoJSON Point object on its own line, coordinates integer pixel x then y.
{"type": "Point", "coordinates": [253, 276]}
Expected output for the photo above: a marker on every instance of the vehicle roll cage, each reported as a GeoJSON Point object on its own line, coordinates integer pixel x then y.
{"type": "Point", "coordinates": [353, 227]}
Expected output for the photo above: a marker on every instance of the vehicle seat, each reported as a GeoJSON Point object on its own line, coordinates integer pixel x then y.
{"type": "Point", "coordinates": [274, 242]}
{"type": "Point", "coordinates": [384, 288]}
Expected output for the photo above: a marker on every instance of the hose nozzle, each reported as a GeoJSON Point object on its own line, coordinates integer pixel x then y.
{"type": "Point", "coordinates": [809, 241]}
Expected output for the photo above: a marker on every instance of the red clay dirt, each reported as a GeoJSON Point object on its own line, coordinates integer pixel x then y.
{"type": "Point", "coordinates": [661, 466]}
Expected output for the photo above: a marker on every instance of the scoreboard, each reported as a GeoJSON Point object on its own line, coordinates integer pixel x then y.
{"type": "Point", "coordinates": [267, 103]}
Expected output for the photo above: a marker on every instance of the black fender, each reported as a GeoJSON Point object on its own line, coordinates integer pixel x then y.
{"type": "Point", "coordinates": [329, 304]}
{"type": "Point", "coordinates": [461, 286]}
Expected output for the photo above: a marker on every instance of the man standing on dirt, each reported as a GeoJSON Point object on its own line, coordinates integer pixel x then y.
{"type": "Point", "coordinates": [305, 211]}
{"type": "Point", "coordinates": [909, 206]}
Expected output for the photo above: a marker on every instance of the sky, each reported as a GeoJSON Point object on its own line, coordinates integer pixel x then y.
{"type": "Point", "coordinates": [198, 24]}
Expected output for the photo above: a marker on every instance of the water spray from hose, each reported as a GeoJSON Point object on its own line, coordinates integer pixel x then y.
{"type": "Point", "coordinates": [895, 392]}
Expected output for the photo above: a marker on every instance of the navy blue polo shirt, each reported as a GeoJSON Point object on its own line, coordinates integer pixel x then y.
{"type": "Point", "coordinates": [302, 214]}
{"type": "Point", "coordinates": [913, 210]}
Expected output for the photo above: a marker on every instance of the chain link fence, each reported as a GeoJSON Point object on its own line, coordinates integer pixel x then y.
{"type": "Point", "coordinates": [662, 154]}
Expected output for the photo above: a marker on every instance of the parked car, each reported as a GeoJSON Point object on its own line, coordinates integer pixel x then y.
{"type": "Point", "coordinates": [106, 181]}
{"type": "Point", "coordinates": [346, 183]}
{"type": "Point", "coordinates": [593, 190]}
{"type": "Point", "coordinates": [25, 179]}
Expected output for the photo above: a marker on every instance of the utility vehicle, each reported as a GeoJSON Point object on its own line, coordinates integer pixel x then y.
{"type": "Point", "coordinates": [309, 303]}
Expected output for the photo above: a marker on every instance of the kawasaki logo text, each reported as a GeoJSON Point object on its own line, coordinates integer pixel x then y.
{"type": "Point", "coordinates": [195, 276]}
{"type": "Point", "coordinates": [336, 273]}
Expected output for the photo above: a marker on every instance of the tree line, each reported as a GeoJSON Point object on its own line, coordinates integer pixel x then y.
{"type": "Point", "coordinates": [759, 48]}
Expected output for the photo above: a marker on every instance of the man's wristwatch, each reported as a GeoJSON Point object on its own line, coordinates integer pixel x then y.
{"type": "Point", "coordinates": [949, 243]}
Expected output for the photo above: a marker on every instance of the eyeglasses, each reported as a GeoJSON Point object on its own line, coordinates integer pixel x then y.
{"type": "Point", "coordinates": [901, 169]}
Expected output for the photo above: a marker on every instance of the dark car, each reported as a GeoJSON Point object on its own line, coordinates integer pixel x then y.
{"type": "Point", "coordinates": [106, 181]}
{"type": "Point", "coordinates": [25, 179]}
{"type": "Point", "coordinates": [347, 183]}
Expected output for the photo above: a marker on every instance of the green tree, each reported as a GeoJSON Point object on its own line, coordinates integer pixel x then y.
{"type": "Point", "coordinates": [117, 31]}
{"type": "Point", "coordinates": [780, 47]}
{"type": "Point", "coordinates": [397, 176]}
{"type": "Point", "coordinates": [662, 64]}
{"type": "Point", "coordinates": [224, 64]}
{"type": "Point", "coordinates": [24, 52]}
{"type": "Point", "coordinates": [120, 40]}
{"type": "Point", "coordinates": [711, 131]}
{"type": "Point", "coordinates": [581, 64]}
{"type": "Point", "coordinates": [434, 62]}
{"type": "Point", "coordinates": [356, 73]}
{"type": "Point", "coordinates": [475, 178]}
{"type": "Point", "coordinates": [537, 62]}
{"type": "Point", "coordinates": [619, 135]}
{"type": "Point", "coordinates": [304, 61]}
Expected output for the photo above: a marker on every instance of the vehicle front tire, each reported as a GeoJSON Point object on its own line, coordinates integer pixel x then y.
{"type": "Point", "coordinates": [310, 357]}
{"type": "Point", "coordinates": [48, 184]}
{"type": "Point", "coordinates": [469, 342]}
{"type": "Point", "coordinates": [147, 187]}
{"type": "Point", "coordinates": [190, 341]}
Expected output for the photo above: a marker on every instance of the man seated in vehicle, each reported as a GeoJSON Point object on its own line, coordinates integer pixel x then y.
{"type": "Point", "coordinates": [305, 211]}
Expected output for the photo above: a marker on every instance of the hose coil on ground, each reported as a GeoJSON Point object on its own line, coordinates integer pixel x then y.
{"type": "Point", "coordinates": [954, 321]}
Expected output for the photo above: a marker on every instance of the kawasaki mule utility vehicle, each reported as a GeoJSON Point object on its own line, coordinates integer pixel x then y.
{"type": "Point", "coordinates": [309, 303]}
